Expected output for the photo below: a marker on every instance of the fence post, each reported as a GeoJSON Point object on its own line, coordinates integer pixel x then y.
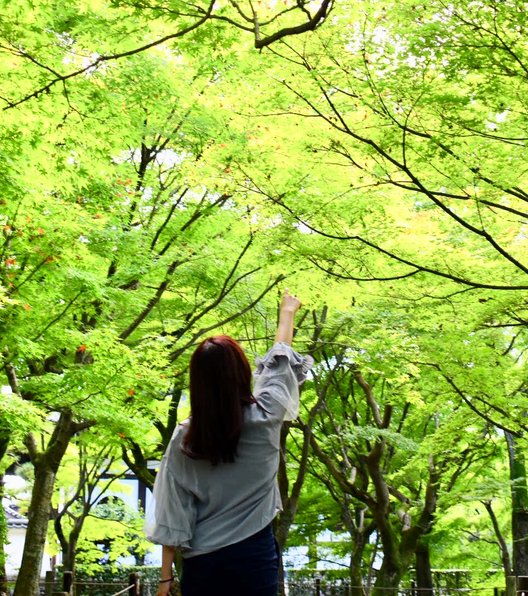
{"type": "Point", "coordinates": [317, 586]}
{"type": "Point", "coordinates": [522, 585]}
{"type": "Point", "coordinates": [48, 583]}
{"type": "Point", "coordinates": [67, 582]}
{"type": "Point", "coordinates": [511, 585]}
{"type": "Point", "coordinates": [134, 583]}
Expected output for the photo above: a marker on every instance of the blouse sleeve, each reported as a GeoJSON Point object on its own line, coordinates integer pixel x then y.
{"type": "Point", "coordinates": [171, 517]}
{"type": "Point", "coordinates": [277, 378]}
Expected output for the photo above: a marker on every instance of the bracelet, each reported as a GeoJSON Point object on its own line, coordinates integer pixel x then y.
{"type": "Point", "coordinates": [164, 581]}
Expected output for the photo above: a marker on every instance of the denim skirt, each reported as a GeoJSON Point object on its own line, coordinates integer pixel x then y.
{"type": "Point", "coordinates": [246, 568]}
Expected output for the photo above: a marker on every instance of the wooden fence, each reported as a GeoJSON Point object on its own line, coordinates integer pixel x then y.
{"type": "Point", "coordinates": [132, 589]}
{"type": "Point", "coordinates": [135, 586]}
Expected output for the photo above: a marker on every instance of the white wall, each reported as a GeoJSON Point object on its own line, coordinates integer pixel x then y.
{"type": "Point", "coordinates": [14, 551]}
{"type": "Point", "coordinates": [16, 536]}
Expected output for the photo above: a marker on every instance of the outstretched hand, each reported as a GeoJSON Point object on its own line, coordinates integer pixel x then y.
{"type": "Point", "coordinates": [290, 303]}
{"type": "Point", "coordinates": [289, 306]}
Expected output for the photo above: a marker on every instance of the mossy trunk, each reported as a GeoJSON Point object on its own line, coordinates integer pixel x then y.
{"type": "Point", "coordinates": [424, 574]}
{"type": "Point", "coordinates": [3, 539]}
{"type": "Point", "coordinates": [519, 496]}
{"type": "Point", "coordinates": [4, 443]}
{"type": "Point", "coordinates": [46, 465]}
{"type": "Point", "coordinates": [389, 576]}
{"type": "Point", "coordinates": [39, 514]}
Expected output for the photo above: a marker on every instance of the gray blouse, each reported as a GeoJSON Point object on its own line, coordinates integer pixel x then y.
{"type": "Point", "coordinates": [199, 507]}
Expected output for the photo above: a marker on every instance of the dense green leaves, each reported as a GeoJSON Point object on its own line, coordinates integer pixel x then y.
{"type": "Point", "coordinates": [162, 181]}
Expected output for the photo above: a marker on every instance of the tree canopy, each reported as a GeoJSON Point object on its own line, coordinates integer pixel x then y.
{"type": "Point", "coordinates": [167, 168]}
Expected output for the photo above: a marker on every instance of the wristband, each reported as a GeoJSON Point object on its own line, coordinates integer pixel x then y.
{"type": "Point", "coordinates": [164, 581]}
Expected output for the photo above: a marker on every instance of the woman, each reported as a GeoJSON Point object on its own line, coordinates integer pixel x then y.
{"type": "Point", "coordinates": [216, 491]}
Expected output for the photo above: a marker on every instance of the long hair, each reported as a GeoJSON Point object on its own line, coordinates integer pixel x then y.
{"type": "Point", "coordinates": [220, 387]}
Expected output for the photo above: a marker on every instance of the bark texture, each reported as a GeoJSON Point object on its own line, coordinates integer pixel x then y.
{"type": "Point", "coordinates": [46, 464]}
{"type": "Point", "coordinates": [519, 496]}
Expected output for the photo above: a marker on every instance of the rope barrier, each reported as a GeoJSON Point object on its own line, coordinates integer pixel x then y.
{"type": "Point", "coordinates": [123, 590]}
{"type": "Point", "coordinates": [344, 585]}
{"type": "Point", "coordinates": [99, 583]}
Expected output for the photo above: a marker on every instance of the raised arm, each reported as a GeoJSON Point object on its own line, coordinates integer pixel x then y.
{"type": "Point", "coordinates": [289, 306]}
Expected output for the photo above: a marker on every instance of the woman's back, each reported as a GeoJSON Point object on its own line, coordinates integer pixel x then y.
{"type": "Point", "coordinates": [229, 501]}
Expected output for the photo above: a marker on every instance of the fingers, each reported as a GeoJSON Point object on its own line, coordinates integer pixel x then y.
{"type": "Point", "coordinates": [290, 301]}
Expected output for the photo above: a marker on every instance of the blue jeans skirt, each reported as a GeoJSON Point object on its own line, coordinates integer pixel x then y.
{"type": "Point", "coordinates": [246, 568]}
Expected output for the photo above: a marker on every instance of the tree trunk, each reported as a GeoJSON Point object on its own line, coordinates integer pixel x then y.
{"type": "Point", "coordinates": [389, 576]}
{"type": "Point", "coordinates": [69, 554]}
{"type": "Point", "coordinates": [394, 565]}
{"type": "Point", "coordinates": [39, 514]}
{"type": "Point", "coordinates": [46, 465]}
{"type": "Point", "coordinates": [3, 538]}
{"type": "Point", "coordinates": [354, 521]}
{"type": "Point", "coordinates": [503, 545]}
{"type": "Point", "coordinates": [397, 559]}
{"type": "Point", "coordinates": [282, 578]}
{"type": "Point", "coordinates": [424, 575]}
{"type": "Point", "coordinates": [519, 496]}
{"type": "Point", "coordinates": [355, 575]}
{"type": "Point", "coordinates": [4, 442]}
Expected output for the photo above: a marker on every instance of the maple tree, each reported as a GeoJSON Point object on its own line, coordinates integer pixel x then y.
{"type": "Point", "coordinates": [162, 179]}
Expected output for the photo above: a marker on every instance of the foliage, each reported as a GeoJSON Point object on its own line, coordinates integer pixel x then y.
{"type": "Point", "coordinates": [112, 531]}
{"type": "Point", "coordinates": [161, 181]}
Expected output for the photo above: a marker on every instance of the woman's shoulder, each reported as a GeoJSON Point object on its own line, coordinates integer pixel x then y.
{"type": "Point", "coordinates": [180, 429]}
{"type": "Point", "coordinates": [174, 446]}
{"type": "Point", "coordinates": [180, 463]}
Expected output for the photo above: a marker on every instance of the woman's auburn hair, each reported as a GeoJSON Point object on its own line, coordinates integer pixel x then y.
{"type": "Point", "coordinates": [220, 387]}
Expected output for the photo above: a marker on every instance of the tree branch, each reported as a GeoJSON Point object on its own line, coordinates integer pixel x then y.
{"type": "Point", "coordinates": [309, 25]}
